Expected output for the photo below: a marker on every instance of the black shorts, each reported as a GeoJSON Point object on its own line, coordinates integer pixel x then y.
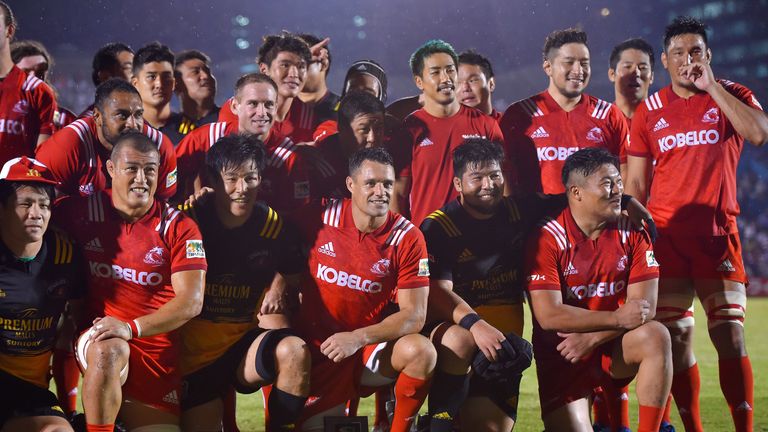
{"type": "Point", "coordinates": [213, 381]}
{"type": "Point", "coordinates": [20, 398]}
{"type": "Point", "coordinates": [504, 396]}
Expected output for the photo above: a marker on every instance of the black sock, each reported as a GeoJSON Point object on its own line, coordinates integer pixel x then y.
{"type": "Point", "coordinates": [447, 394]}
{"type": "Point", "coordinates": [284, 410]}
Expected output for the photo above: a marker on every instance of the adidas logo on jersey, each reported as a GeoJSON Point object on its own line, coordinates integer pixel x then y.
{"type": "Point", "coordinates": [661, 124]}
{"type": "Point", "coordinates": [570, 270]}
{"type": "Point", "coordinates": [726, 266]}
{"type": "Point", "coordinates": [465, 256]}
{"type": "Point", "coordinates": [426, 142]}
{"type": "Point", "coordinates": [327, 249]}
{"type": "Point", "coordinates": [21, 107]}
{"type": "Point", "coordinates": [172, 398]}
{"type": "Point", "coordinates": [94, 245]}
{"type": "Point", "coordinates": [539, 133]}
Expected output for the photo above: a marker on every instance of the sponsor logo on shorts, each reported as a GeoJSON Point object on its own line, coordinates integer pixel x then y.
{"type": "Point", "coordinates": [661, 124]}
{"type": "Point", "coordinates": [301, 190]}
{"type": "Point", "coordinates": [155, 257]}
{"type": "Point", "coordinates": [327, 249]}
{"type": "Point", "coordinates": [600, 289]}
{"type": "Point", "coordinates": [596, 135]}
{"type": "Point", "coordinates": [726, 266]}
{"type": "Point", "coordinates": [11, 127]}
{"type": "Point", "coordinates": [114, 271]}
{"type": "Point", "coordinates": [381, 267]}
{"type": "Point", "coordinates": [650, 259]}
{"type": "Point", "coordinates": [690, 138]}
{"type": "Point", "coordinates": [170, 180]}
{"type": "Point", "coordinates": [171, 398]}
{"type": "Point", "coordinates": [712, 116]}
{"type": "Point", "coordinates": [344, 279]}
{"type": "Point", "coordinates": [423, 267]}
{"type": "Point", "coordinates": [555, 153]}
{"type": "Point", "coordinates": [195, 249]}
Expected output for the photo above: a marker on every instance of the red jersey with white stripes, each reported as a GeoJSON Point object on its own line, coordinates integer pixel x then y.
{"type": "Point", "coordinates": [76, 158]}
{"type": "Point", "coordinates": [432, 143]}
{"type": "Point", "coordinates": [697, 151]}
{"type": "Point", "coordinates": [27, 109]}
{"type": "Point", "coordinates": [541, 135]}
{"type": "Point", "coordinates": [299, 124]}
{"type": "Point", "coordinates": [191, 150]}
{"type": "Point", "coordinates": [353, 275]}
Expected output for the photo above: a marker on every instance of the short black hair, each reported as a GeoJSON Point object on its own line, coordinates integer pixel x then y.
{"type": "Point", "coordinates": [27, 48]}
{"type": "Point", "coordinates": [185, 55]}
{"type": "Point", "coordinates": [135, 140]}
{"type": "Point", "coordinates": [434, 46]}
{"type": "Point", "coordinates": [639, 44]}
{"type": "Point", "coordinates": [285, 41]}
{"type": "Point", "coordinates": [586, 161]}
{"type": "Point", "coordinates": [9, 188]}
{"type": "Point", "coordinates": [105, 90]}
{"type": "Point", "coordinates": [476, 151]}
{"type": "Point", "coordinates": [558, 38]}
{"type": "Point", "coordinates": [472, 57]}
{"type": "Point", "coordinates": [106, 58]}
{"type": "Point", "coordinates": [151, 53]}
{"type": "Point", "coordinates": [231, 151]}
{"type": "Point", "coordinates": [373, 154]}
{"type": "Point", "coordinates": [684, 25]}
{"type": "Point", "coordinates": [256, 77]}
{"type": "Point", "coordinates": [312, 40]}
{"type": "Point", "coordinates": [8, 17]}
{"type": "Point", "coordinates": [358, 102]}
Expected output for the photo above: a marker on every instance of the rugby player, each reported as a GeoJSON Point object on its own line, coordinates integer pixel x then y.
{"type": "Point", "coordinates": [248, 246]}
{"type": "Point", "coordinates": [593, 282]}
{"type": "Point", "coordinates": [545, 128]}
{"type": "Point", "coordinates": [438, 128]}
{"type": "Point", "coordinates": [315, 91]}
{"type": "Point", "coordinates": [40, 272]}
{"type": "Point", "coordinates": [366, 75]}
{"type": "Point", "coordinates": [362, 256]}
{"type": "Point", "coordinates": [196, 90]}
{"type": "Point", "coordinates": [631, 72]}
{"type": "Point", "coordinates": [403, 107]}
{"type": "Point", "coordinates": [113, 60]}
{"type": "Point", "coordinates": [147, 275]}
{"type": "Point", "coordinates": [476, 83]}
{"type": "Point", "coordinates": [154, 78]}
{"type": "Point", "coordinates": [695, 129]}
{"type": "Point", "coordinates": [28, 105]}
{"type": "Point", "coordinates": [78, 153]}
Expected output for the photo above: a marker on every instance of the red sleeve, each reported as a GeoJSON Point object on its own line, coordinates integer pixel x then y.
{"type": "Point", "coordinates": [644, 264]}
{"type": "Point", "coordinates": [542, 266]}
{"type": "Point", "coordinates": [620, 129]}
{"type": "Point", "coordinates": [412, 261]}
{"type": "Point", "coordinates": [226, 114]}
{"type": "Point", "coordinates": [186, 244]}
{"type": "Point", "coordinates": [61, 154]}
{"type": "Point", "coordinates": [742, 93]}
{"type": "Point", "coordinates": [46, 108]}
{"type": "Point", "coordinates": [639, 144]}
{"type": "Point", "coordinates": [325, 129]}
{"type": "Point", "coordinates": [190, 157]}
{"type": "Point", "coordinates": [494, 132]}
{"type": "Point", "coordinates": [166, 187]}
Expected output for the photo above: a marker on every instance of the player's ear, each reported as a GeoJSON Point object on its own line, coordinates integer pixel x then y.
{"type": "Point", "coordinates": [612, 75]}
{"type": "Point", "coordinates": [708, 57]}
{"type": "Point", "coordinates": [651, 80]}
{"type": "Point", "coordinates": [111, 168]}
{"type": "Point", "coordinates": [419, 82]}
{"type": "Point", "coordinates": [547, 66]}
{"type": "Point", "coordinates": [349, 184]}
{"type": "Point", "coordinates": [263, 68]}
{"type": "Point", "coordinates": [664, 59]}
{"type": "Point", "coordinates": [134, 79]}
{"type": "Point", "coordinates": [491, 84]}
{"type": "Point", "coordinates": [234, 106]}
{"type": "Point", "coordinates": [457, 184]}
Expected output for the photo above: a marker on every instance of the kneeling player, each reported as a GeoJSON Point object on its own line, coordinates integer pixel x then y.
{"type": "Point", "coordinates": [361, 256]}
{"type": "Point", "coordinates": [593, 283]}
{"type": "Point", "coordinates": [248, 246]}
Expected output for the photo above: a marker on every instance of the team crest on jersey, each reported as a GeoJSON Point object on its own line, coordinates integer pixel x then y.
{"type": "Point", "coordinates": [195, 249]}
{"type": "Point", "coordinates": [622, 265]}
{"type": "Point", "coordinates": [155, 257]}
{"type": "Point", "coordinates": [21, 107]}
{"type": "Point", "coordinates": [381, 267]}
{"type": "Point", "coordinates": [596, 135]}
{"type": "Point", "coordinates": [650, 259]}
{"type": "Point", "coordinates": [711, 116]}
{"type": "Point", "coordinates": [423, 267]}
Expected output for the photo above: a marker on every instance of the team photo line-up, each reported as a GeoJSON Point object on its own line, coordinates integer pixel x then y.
{"type": "Point", "coordinates": [323, 248]}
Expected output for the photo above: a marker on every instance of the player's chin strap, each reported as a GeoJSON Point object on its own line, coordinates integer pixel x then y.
{"type": "Point", "coordinates": [514, 356]}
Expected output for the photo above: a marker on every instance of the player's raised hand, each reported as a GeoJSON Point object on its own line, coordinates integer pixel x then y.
{"type": "Point", "coordinates": [633, 313]}
{"type": "Point", "coordinates": [110, 327]}
{"type": "Point", "coordinates": [341, 345]}
{"type": "Point", "coordinates": [318, 51]}
{"type": "Point", "coordinates": [700, 74]}
{"type": "Point", "coordinates": [576, 346]}
{"type": "Point", "coordinates": [487, 338]}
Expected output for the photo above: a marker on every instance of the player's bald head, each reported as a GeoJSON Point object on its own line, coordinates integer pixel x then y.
{"type": "Point", "coordinates": [136, 141]}
{"type": "Point", "coordinates": [586, 162]}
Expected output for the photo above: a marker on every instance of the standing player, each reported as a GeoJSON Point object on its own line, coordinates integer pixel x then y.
{"type": "Point", "coordinates": [27, 104]}
{"type": "Point", "coordinates": [631, 72]}
{"type": "Point", "coordinates": [78, 153]}
{"type": "Point", "coordinates": [476, 83]}
{"type": "Point", "coordinates": [40, 272]}
{"type": "Point", "coordinates": [315, 93]}
{"type": "Point", "coordinates": [361, 256]}
{"type": "Point", "coordinates": [366, 75]}
{"type": "Point", "coordinates": [153, 76]}
{"type": "Point", "coordinates": [544, 129]}
{"type": "Point", "coordinates": [593, 285]}
{"type": "Point", "coordinates": [113, 60]}
{"type": "Point", "coordinates": [247, 243]}
{"type": "Point", "coordinates": [196, 90]}
{"type": "Point", "coordinates": [438, 128]}
{"type": "Point", "coordinates": [147, 273]}
{"type": "Point", "coordinates": [695, 129]}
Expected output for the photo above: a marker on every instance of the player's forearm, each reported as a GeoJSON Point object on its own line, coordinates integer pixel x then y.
{"type": "Point", "coordinates": [750, 123]}
{"type": "Point", "coordinates": [170, 316]}
{"type": "Point", "coordinates": [398, 324]}
{"type": "Point", "coordinates": [570, 319]}
{"type": "Point", "coordinates": [637, 179]}
{"type": "Point", "coordinates": [601, 337]}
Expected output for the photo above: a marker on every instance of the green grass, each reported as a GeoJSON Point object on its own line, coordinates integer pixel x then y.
{"type": "Point", "coordinates": [716, 416]}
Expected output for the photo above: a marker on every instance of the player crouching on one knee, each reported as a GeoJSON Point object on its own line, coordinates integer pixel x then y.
{"type": "Point", "coordinates": [593, 283]}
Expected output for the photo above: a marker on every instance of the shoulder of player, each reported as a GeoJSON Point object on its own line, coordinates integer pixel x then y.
{"type": "Point", "coordinates": [269, 222]}
{"type": "Point", "coordinates": [37, 87]}
{"type": "Point", "coordinates": [738, 90]}
{"type": "Point", "coordinates": [551, 229]}
{"type": "Point", "coordinates": [283, 152]}
{"type": "Point", "coordinates": [443, 221]}
{"type": "Point", "coordinates": [654, 102]}
{"type": "Point", "coordinates": [599, 108]}
{"type": "Point", "coordinates": [402, 231]}
{"type": "Point", "coordinates": [61, 245]}
{"type": "Point", "coordinates": [524, 108]}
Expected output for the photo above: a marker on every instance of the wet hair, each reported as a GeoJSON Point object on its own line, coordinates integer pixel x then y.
{"type": "Point", "coordinates": [434, 46]}
{"type": "Point", "coordinates": [285, 41]}
{"type": "Point", "coordinates": [634, 43]}
{"type": "Point", "coordinates": [135, 140]}
{"type": "Point", "coordinates": [8, 17]}
{"type": "Point", "coordinates": [27, 48]}
{"type": "Point", "coordinates": [105, 90]}
{"type": "Point", "coordinates": [312, 40]}
{"type": "Point", "coordinates": [558, 38]}
{"type": "Point", "coordinates": [586, 161]}
{"type": "Point", "coordinates": [476, 151]}
{"type": "Point", "coordinates": [685, 25]}
{"type": "Point", "coordinates": [154, 52]}
{"type": "Point", "coordinates": [189, 55]}
{"type": "Point", "coordinates": [368, 67]}
{"type": "Point", "coordinates": [251, 78]}
{"type": "Point", "coordinates": [474, 58]}
{"type": "Point", "coordinates": [232, 151]}
{"type": "Point", "coordinates": [355, 103]}
{"type": "Point", "coordinates": [9, 188]}
{"type": "Point", "coordinates": [373, 154]}
{"type": "Point", "coordinates": [106, 58]}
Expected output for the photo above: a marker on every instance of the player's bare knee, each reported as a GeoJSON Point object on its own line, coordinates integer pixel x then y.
{"type": "Point", "coordinates": [655, 339]}
{"type": "Point", "coordinates": [109, 354]}
{"type": "Point", "coordinates": [293, 352]}
{"type": "Point", "coordinates": [417, 352]}
{"type": "Point", "coordinates": [460, 342]}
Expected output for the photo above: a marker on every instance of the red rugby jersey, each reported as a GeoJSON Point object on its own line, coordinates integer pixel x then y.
{"type": "Point", "coordinates": [299, 124]}
{"type": "Point", "coordinates": [432, 141]}
{"type": "Point", "coordinates": [27, 109]}
{"type": "Point", "coordinates": [541, 135]}
{"type": "Point", "coordinates": [190, 153]}
{"type": "Point", "coordinates": [77, 159]}
{"type": "Point", "coordinates": [353, 275]}
{"type": "Point", "coordinates": [697, 151]}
